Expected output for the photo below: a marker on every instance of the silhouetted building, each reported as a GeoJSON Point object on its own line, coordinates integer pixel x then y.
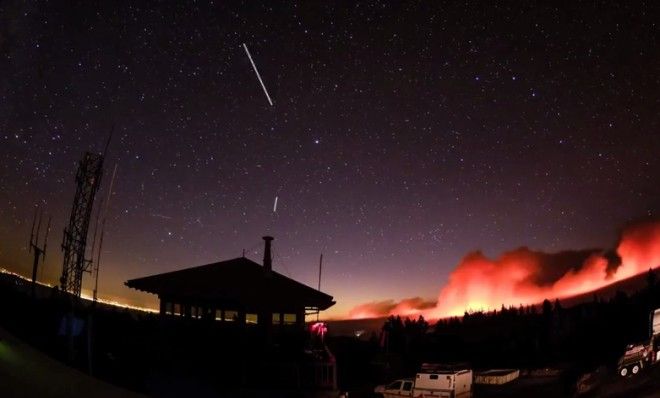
{"type": "Point", "coordinates": [237, 290]}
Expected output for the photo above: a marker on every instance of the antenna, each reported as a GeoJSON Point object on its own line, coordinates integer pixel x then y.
{"type": "Point", "coordinates": [74, 242]}
{"type": "Point", "coordinates": [36, 240]}
{"type": "Point", "coordinates": [96, 227]}
{"type": "Point", "coordinates": [105, 216]}
{"type": "Point", "coordinates": [112, 183]}
{"type": "Point", "coordinates": [98, 211]}
{"type": "Point", "coordinates": [34, 219]}
{"type": "Point", "coordinates": [107, 143]}
{"type": "Point", "coordinates": [320, 270]}
{"type": "Point", "coordinates": [46, 239]}
{"type": "Point", "coordinates": [98, 263]}
{"type": "Point", "coordinates": [319, 289]}
{"type": "Point", "coordinates": [34, 245]}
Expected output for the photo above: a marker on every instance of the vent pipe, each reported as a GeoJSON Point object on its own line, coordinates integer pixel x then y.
{"type": "Point", "coordinates": [268, 258]}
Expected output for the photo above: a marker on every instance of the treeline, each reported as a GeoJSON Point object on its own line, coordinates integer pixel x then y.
{"type": "Point", "coordinates": [580, 337]}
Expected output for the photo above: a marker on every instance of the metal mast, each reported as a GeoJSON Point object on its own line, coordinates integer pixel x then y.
{"type": "Point", "coordinates": [39, 252]}
{"type": "Point", "coordinates": [318, 312]}
{"type": "Point", "coordinates": [105, 214]}
{"type": "Point", "coordinates": [74, 242]}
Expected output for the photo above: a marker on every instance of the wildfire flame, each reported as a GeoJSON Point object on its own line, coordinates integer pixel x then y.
{"type": "Point", "coordinates": [524, 276]}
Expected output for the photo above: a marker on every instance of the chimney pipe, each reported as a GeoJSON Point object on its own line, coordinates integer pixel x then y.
{"type": "Point", "coordinates": [268, 259]}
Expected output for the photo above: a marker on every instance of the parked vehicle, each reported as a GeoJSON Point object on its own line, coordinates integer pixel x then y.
{"type": "Point", "coordinates": [436, 381]}
{"type": "Point", "coordinates": [634, 359]}
{"type": "Point", "coordinates": [640, 356]}
{"type": "Point", "coordinates": [396, 389]}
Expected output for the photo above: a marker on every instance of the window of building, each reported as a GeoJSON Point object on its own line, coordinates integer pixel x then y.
{"type": "Point", "coordinates": [177, 309]}
{"type": "Point", "coordinates": [290, 319]}
{"type": "Point", "coordinates": [218, 315]}
{"type": "Point", "coordinates": [230, 316]}
{"type": "Point", "coordinates": [251, 319]}
{"type": "Point", "coordinates": [276, 318]}
{"type": "Point", "coordinates": [168, 307]}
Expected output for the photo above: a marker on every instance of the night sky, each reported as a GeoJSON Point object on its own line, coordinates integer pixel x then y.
{"type": "Point", "coordinates": [400, 136]}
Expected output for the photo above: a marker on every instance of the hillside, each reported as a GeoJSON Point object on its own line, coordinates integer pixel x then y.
{"type": "Point", "coordinates": [348, 327]}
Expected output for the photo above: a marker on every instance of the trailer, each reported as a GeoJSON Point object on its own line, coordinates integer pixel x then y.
{"type": "Point", "coordinates": [496, 376]}
{"type": "Point", "coordinates": [433, 381]}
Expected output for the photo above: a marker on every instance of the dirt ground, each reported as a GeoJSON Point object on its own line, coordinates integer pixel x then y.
{"type": "Point", "coordinates": [644, 385]}
{"type": "Point", "coordinates": [26, 372]}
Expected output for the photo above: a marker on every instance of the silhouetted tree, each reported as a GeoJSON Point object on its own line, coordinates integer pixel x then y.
{"type": "Point", "coordinates": [557, 308]}
{"type": "Point", "coordinates": [547, 308]}
{"type": "Point", "coordinates": [651, 279]}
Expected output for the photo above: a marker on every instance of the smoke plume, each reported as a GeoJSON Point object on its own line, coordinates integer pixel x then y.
{"type": "Point", "coordinates": [524, 276]}
{"type": "Point", "coordinates": [405, 307]}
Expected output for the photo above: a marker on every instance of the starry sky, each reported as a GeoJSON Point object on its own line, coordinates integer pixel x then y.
{"type": "Point", "coordinates": [401, 136]}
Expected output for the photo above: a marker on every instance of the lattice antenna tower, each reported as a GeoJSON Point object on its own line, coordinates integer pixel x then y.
{"type": "Point", "coordinates": [74, 241]}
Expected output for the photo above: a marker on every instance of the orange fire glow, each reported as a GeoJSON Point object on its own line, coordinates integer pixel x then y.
{"type": "Point", "coordinates": [406, 307]}
{"type": "Point", "coordinates": [520, 277]}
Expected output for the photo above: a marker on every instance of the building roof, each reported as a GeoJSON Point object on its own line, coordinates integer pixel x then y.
{"type": "Point", "coordinates": [238, 281]}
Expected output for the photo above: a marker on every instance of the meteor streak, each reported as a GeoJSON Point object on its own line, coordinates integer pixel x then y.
{"type": "Point", "coordinates": [275, 205]}
{"type": "Point", "coordinates": [160, 216]}
{"type": "Point", "coordinates": [258, 75]}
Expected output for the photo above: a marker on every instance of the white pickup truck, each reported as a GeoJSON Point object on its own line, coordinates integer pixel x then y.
{"type": "Point", "coordinates": [397, 388]}
{"type": "Point", "coordinates": [435, 383]}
